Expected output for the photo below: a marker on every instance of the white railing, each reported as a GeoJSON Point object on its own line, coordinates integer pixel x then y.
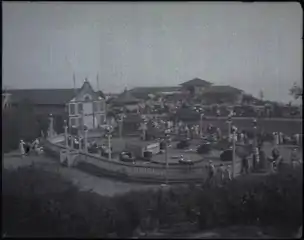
{"type": "Point", "coordinates": [177, 173]}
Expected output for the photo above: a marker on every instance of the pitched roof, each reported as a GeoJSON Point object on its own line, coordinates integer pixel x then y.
{"type": "Point", "coordinates": [142, 92]}
{"type": "Point", "coordinates": [223, 89]}
{"type": "Point", "coordinates": [46, 96]}
{"type": "Point", "coordinates": [42, 96]}
{"type": "Point", "coordinates": [125, 97]}
{"type": "Point", "coordinates": [196, 82]}
{"type": "Point", "coordinates": [86, 86]}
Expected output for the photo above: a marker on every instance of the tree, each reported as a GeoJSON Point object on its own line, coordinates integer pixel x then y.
{"type": "Point", "coordinates": [296, 91]}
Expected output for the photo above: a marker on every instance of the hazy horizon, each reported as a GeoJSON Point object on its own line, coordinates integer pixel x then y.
{"type": "Point", "coordinates": [251, 46]}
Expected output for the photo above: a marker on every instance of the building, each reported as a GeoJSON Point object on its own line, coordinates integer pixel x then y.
{"type": "Point", "coordinates": [144, 92]}
{"type": "Point", "coordinates": [195, 86]}
{"type": "Point", "coordinates": [222, 94]}
{"type": "Point", "coordinates": [87, 108]}
{"type": "Point", "coordinates": [126, 101]}
{"type": "Point", "coordinates": [57, 102]}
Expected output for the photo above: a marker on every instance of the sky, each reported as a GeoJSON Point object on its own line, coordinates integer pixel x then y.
{"type": "Point", "coordinates": [251, 46]}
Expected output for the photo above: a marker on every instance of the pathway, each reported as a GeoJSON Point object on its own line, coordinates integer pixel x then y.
{"type": "Point", "coordinates": [101, 186]}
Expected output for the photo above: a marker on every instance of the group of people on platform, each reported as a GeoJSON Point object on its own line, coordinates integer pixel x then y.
{"type": "Point", "coordinates": [260, 161]}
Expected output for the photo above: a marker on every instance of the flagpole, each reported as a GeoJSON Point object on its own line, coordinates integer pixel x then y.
{"type": "Point", "coordinates": [74, 83]}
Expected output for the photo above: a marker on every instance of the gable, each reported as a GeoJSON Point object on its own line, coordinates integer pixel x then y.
{"type": "Point", "coordinates": [86, 91]}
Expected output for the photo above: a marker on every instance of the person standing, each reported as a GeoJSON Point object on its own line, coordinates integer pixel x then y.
{"type": "Point", "coordinates": [277, 138]}
{"type": "Point", "coordinates": [294, 159]}
{"type": "Point", "coordinates": [222, 172]}
{"type": "Point", "coordinates": [228, 172]}
{"type": "Point", "coordinates": [211, 172]}
{"type": "Point", "coordinates": [245, 165]}
{"type": "Point", "coordinates": [21, 148]}
{"type": "Point", "coordinates": [281, 135]}
{"type": "Point", "coordinates": [297, 138]}
{"type": "Point", "coordinates": [242, 138]}
{"type": "Point", "coordinates": [262, 158]}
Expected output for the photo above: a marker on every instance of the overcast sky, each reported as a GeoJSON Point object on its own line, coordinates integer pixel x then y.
{"type": "Point", "coordinates": [251, 46]}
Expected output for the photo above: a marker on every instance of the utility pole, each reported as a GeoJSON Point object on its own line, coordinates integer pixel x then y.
{"type": "Point", "coordinates": [234, 130]}
{"type": "Point", "coordinates": [66, 134]}
{"type": "Point", "coordinates": [201, 124]}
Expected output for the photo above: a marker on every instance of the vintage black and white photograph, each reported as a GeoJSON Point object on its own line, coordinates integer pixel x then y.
{"type": "Point", "coordinates": [152, 119]}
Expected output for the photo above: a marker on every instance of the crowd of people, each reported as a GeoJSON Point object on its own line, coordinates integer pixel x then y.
{"type": "Point", "coordinates": [268, 110]}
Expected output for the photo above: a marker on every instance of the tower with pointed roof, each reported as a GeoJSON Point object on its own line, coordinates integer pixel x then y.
{"type": "Point", "coordinates": [87, 108]}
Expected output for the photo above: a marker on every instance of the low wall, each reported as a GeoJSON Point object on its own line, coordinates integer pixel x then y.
{"type": "Point", "coordinates": [98, 165]}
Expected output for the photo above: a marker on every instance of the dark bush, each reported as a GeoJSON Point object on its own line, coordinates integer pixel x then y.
{"type": "Point", "coordinates": [37, 203]}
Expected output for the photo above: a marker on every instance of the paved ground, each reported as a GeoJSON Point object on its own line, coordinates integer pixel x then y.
{"type": "Point", "coordinates": [118, 145]}
{"type": "Point", "coordinates": [102, 186]}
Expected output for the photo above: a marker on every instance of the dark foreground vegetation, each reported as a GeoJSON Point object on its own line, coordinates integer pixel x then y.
{"type": "Point", "coordinates": [22, 122]}
{"type": "Point", "coordinates": [37, 203]}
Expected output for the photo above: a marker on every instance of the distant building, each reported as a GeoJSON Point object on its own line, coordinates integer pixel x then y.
{"type": "Point", "coordinates": [126, 101]}
{"type": "Point", "coordinates": [144, 92]}
{"type": "Point", "coordinates": [62, 103]}
{"type": "Point", "coordinates": [223, 94]}
{"type": "Point", "coordinates": [195, 86]}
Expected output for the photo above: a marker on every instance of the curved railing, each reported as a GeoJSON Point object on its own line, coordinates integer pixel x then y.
{"type": "Point", "coordinates": [144, 173]}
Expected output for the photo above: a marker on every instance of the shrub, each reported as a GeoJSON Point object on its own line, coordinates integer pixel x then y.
{"type": "Point", "coordinates": [37, 203]}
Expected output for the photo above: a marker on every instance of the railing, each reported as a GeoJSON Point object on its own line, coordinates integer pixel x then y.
{"type": "Point", "coordinates": [136, 172]}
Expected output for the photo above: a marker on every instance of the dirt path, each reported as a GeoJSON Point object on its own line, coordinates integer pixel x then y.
{"type": "Point", "coordinates": [102, 186]}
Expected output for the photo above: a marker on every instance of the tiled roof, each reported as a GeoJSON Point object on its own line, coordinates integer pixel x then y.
{"type": "Point", "coordinates": [196, 82]}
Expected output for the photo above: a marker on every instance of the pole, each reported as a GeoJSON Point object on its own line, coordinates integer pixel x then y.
{"type": "Point", "coordinates": [66, 136]}
{"type": "Point", "coordinates": [229, 129]}
{"type": "Point", "coordinates": [51, 129]}
{"type": "Point", "coordinates": [176, 126]}
{"type": "Point", "coordinates": [80, 145]}
{"type": "Point", "coordinates": [233, 155]}
{"type": "Point", "coordinates": [97, 79]}
{"type": "Point", "coordinates": [167, 163]}
{"type": "Point", "coordinates": [72, 142]}
{"type": "Point", "coordinates": [86, 140]}
{"type": "Point", "coordinates": [74, 83]}
{"type": "Point", "coordinates": [109, 146]}
{"type": "Point", "coordinates": [201, 125]}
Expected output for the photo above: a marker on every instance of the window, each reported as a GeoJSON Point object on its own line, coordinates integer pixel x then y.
{"type": "Point", "coordinates": [87, 97]}
{"type": "Point", "coordinates": [95, 107]}
{"type": "Point", "coordinates": [73, 122]}
{"type": "Point", "coordinates": [80, 108]}
{"type": "Point", "coordinates": [72, 109]}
